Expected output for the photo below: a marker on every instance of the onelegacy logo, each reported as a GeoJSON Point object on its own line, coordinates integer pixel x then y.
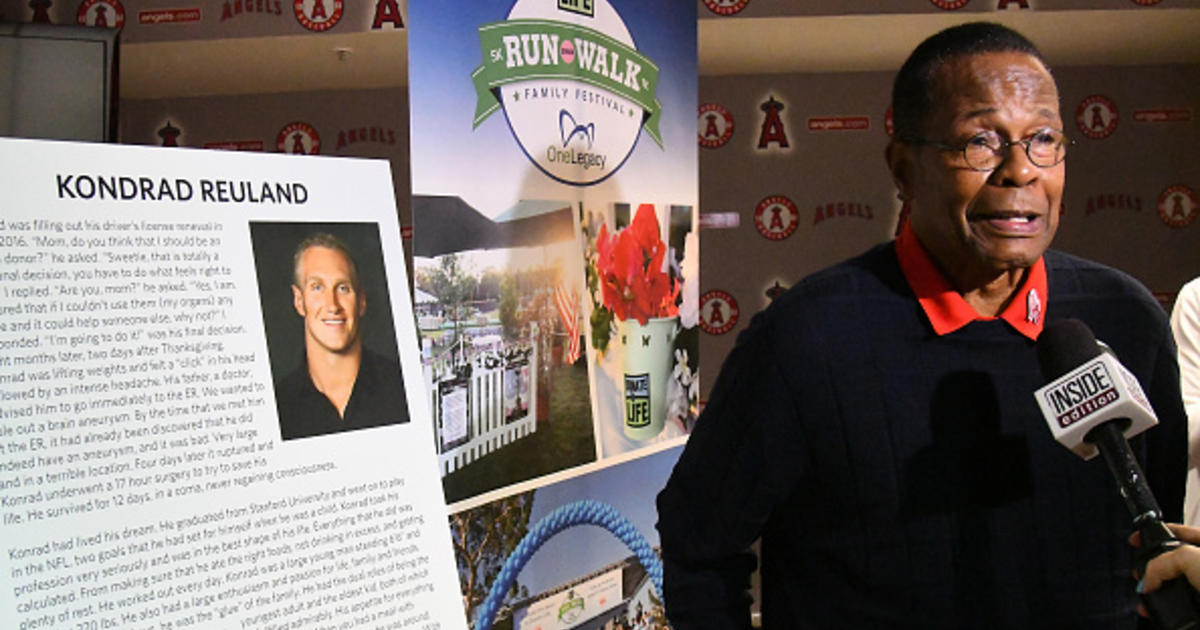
{"type": "Point", "coordinates": [576, 94]}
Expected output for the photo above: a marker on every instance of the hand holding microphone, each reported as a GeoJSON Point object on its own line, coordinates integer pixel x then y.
{"type": "Point", "coordinates": [1184, 561]}
{"type": "Point", "coordinates": [1092, 404]}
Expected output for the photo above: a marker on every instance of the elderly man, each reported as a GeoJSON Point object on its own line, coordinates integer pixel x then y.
{"type": "Point", "coordinates": [876, 426]}
{"type": "Point", "coordinates": [341, 385]}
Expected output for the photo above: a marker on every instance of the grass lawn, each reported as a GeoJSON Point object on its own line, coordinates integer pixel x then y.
{"type": "Point", "coordinates": [563, 441]}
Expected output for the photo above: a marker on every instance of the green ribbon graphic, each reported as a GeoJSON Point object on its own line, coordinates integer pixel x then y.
{"type": "Point", "coordinates": [490, 77]}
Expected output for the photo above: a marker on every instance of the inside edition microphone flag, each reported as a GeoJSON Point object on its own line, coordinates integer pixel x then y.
{"type": "Point", "coordinates": [1086, 388]}
{"type": "Point", "coordinates": [1093, 404]}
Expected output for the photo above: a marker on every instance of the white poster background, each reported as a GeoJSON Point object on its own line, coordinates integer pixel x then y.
{"type": "Point", "coordinates": [183, 517]}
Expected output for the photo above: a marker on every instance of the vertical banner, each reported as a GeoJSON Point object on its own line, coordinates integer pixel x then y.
{"type": "Point", "coordinates": [210, 396]}
{"type": "Point", "coordinates": [556, 279]}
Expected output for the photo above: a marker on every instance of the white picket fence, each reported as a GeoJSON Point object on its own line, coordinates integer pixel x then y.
{"type": "Point", "coordinates": [486, 429]}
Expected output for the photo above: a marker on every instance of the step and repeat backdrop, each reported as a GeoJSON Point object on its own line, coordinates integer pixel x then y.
{"type": "Point", "coordinates": [527, 247]}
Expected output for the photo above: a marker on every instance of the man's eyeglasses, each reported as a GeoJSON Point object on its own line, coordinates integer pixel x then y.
{"type": "Point", "coordinates": [986, 150]}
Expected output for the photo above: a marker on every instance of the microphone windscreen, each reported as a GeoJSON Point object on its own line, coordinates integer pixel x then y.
{"type": "Point", "coordinates": [1064, 345]}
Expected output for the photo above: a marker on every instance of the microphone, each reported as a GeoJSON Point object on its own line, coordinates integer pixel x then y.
{"type": "Point", "coordinates": [1093, 404]}
{"type": "Point", "coordinates": [1088, 387]}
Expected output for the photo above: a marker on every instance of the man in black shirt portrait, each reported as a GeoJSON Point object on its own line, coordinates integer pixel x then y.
{"type": "Point", "coordinates": [875, 427]}
{"type": "Point", "coordinates": [340, 386]}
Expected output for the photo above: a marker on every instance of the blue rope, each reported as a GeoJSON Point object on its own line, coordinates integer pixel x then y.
{"type": "Point", "coordinates": [572, 514]}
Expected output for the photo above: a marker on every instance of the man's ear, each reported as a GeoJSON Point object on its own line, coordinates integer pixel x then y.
{"type": "Point", "coordinates": [298, 300]}
{"type": "Point", "coordinates": [899, 161]}
{"type": "Point", "coordinates": [362, 303]}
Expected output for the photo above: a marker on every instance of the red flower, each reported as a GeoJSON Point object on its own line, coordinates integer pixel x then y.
{"type": "Point", "coordinates": [633, 282]}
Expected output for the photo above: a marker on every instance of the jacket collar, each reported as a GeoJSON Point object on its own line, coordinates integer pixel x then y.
{"type": "Point", "coordinates": [948, 311]}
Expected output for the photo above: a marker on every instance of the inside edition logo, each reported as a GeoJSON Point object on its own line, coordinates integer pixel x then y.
{"type": "Point", "coordinates": [576, 93]}
{"type": "Point", "coordinates": [1083, 395]}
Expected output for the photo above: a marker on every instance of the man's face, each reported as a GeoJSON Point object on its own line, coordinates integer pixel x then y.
{"type": "Point", "coordinates": [979, 224]}
{"type": "Point", "coordinates": [328, 300]}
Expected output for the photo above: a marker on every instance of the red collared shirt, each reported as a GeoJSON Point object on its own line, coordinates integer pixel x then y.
{"type": "Point", "coordinates": [948, 311]}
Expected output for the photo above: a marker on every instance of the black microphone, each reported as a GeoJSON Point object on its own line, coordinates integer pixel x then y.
{"type": "Point", "coordinates": [1093, 403]}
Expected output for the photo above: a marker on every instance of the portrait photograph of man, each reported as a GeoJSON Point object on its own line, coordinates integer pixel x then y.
{"type": "Point", "coordinates": [329, 327]}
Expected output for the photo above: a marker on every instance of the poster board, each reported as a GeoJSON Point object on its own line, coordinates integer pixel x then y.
{"type": "Point", "coordinates": [143, 476]}
{"type": "Point", "coordinates": [547, 137]}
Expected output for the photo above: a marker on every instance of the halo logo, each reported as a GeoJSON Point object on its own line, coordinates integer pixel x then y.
{"type": "Point", "coordinates": [726, 7]}
{"type": "Point", "coordinates": [1178, 206]}
{"type": "Point", "coordinates": [773, 129]}
{"type": "Point", "coordinates": [1097, 117]}
{"type": "Point", "coordinates": [313, 15]}
{"type": "Point", "coordinates": [576, 93]}
{"type": "Point", "coordinates": [776, 217]}
{"type": "Point", "coordinates": [101, 13]}
{"type": "Point", "coordinates": [715, 125]}
{"type": "Point", "coordinates": [169, 134]}
{"type": "Point", "coordinates": [298, 137]}
{"type": "Point", "coordinates": [718, 312]}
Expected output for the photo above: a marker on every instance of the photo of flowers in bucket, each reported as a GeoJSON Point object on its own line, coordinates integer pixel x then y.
{"type": "Point", "coordinates": [638, 292]}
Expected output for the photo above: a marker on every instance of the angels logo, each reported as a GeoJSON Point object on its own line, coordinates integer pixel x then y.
{"type": "Point", "coordinates": [774, 291]}
{"type": "Point", "coordinates": [1166, 114]}
{"type": "Point", "coordinates": [843, 209]}
{"type": "Point", "coordinates": [949, 5]}
{"type": "Point", "coordinates": [715, 125]}
{"type": "Point", "coordinates": [726, 7]}
{"type": "Point", "coordinates": [576, 93]}
{"type": "Point", "coordinates": [381, 135]}
{"type": "Point", "coordinates": [772, 126]}
{"type": "Point", "coordinates": [387, 12]}
{"type": "Point", "coordinates": [1033, 307]}
{"type": "Point", "coordinates": [1112, 201]}
{"type": "Point", "coordinates": [169, 134]}
{"type": "Point", "coordinates": [718, 312]}
{"type": "Point", "coordinates": [298, 137]}
{"type": "Point", "coordinates": [1096, 117]}
{"type": "Point", "coordinates": [839, 123]}
{"type": "Point", "coordinates": [235, 8]}
{"type": "Point", "coordinates": [776, 217]}
{"type": "Point", "coordinates": [315, 15]}
{"type": "Point", "coordinates": [41, 11]}
{"type": "Point", "coordinates": [1177, 206]}
{"type": "Point", "coordinates": [102, 13]}
{"type": "Point", "coordinates": [888, 124]}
